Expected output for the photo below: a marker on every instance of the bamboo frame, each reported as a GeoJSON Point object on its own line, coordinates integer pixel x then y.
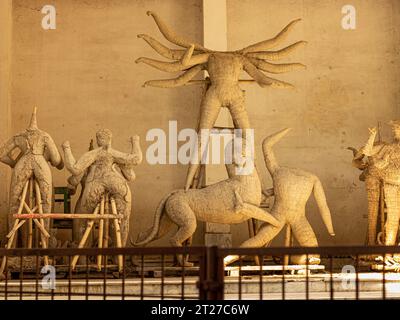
{"type": "Point", "coordinates": [103, 235]}
{"type": "Point", "coordinates": [20, 219]}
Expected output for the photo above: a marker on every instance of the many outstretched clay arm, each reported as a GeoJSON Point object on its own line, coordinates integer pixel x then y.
{"type": "Point", "coordinates": [53, 154]}
{"type": "Point", "coordinates": [177, 82]}
{"type": "Point", "coordinates": [276, 55]}
{"type": "Point", "coordinates": [173, 54]}
{"type": "Point", "coordinates": [129, 159]}
{"type": "Point", "coordinates": [175, 66]}
{"type": "Point", "coordinates": [171, 36]}
{"type": "Point", "coordinates": [262, 80]}
{"type": "Point", "coordinates": [320, 198]}
{"type": "Point", "coordinates": [78, 167]}
{"type": "Point", "coordinates": [275, 68]}
{"type": "Point", "coordinates": [270, 43]}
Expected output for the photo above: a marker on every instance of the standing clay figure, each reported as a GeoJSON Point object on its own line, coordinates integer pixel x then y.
{"type": "Point", "coordinates": [231, 201]}
{"type": "Point", "coordinates": [224, 69]}
{"type": "Point", "coordinates": [373, 177]}
{"type": "Point", "coordinates": [292, 188]}
{"type": "Point", "coordinates": [37, 149]}
{"type": "Point", "coordinates": [106, 171]}
{"type": "Point", "coordinates": [385, 166]}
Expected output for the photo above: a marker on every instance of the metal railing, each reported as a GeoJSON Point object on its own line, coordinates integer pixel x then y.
{"type": "Point", "coordinates": [150, 273]}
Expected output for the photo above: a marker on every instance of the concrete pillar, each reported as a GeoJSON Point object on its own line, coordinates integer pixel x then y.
{"type": "Point", "coordinates": [5, 118]}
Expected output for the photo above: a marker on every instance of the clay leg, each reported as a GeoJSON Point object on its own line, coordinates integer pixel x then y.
{"type": "Point", "coordinates": [305, 235]}
{"type": "Point", "coordinates": [123, 200]}
{"type": "Point", "coordinates": [264, 235]}
{"type": "Point", "coordinates": [183, 216]}
{"type": "Point", "coordinates": [21, 174]}
{"type": "Point", "coordinates": [43, 176]}
{"type": "Point", "coordinates": [209, 111]}
{"type": "Point", "coordinates": [392, 221]}
{"type": "Point", "coordinates": [372, 186]}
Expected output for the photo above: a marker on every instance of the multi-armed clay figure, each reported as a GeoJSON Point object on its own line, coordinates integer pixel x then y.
{"type": "Point", "coordinates": [384, 165]}
{"type": "Point", "coordinates": [36, 150]}
{"type": "Point", "coordinates": [224, 69]}
{"type": "Point", "coordinates": [292, 188]}
{"type": "Point", "coordinates": [106, 170]}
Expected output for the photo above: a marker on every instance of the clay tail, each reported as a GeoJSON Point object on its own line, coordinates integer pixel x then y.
{"type": "Point", "coordinates": [320, 198]}
{"type": "Point", "coordinates": [269, 155]}
{"type": "Point", "coordinates": [156, 224]}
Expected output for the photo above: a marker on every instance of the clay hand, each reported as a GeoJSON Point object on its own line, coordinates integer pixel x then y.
{"type": "Point", "coordinates": [66, 145]}
{"type": "Point", "coordinates": [135, 138]}
{"type": "Point", "coordinates": [372, 130]}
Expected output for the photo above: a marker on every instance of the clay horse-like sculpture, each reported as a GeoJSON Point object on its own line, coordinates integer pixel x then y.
{"type": "Point", "coordinates": [36, 150]}
{"type": "Point", "coordinates": [231, 201]}
{"type": "Point", "coordinates": [224, 69]}
{"type": "Point", "coordinates": [292, 188]}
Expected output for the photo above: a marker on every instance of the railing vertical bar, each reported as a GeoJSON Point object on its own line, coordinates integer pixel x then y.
{"type": "Point", "coordinates": [142, 278]}
{"type": "Point", "coordinates": [69, 277]}
{"type": "Point", "coordinates": [21, 277]}
{"type": "Point", "coordinates": [240, 277]}
{"type": "Point", "coordinates": [123, 276]}
{"type": "Point", "coordinates": [261, 260]}
{"type": "Point", "coordinates": [105, 260]}
{"type": "Point", "coordinates": [162, 275]}
{"type": "Point", "coordinates": [52, 289]}
{"type": "Point", "coordinates": [6, 278]}
{"type": "Point", "coordinates": [87, 279]}
{"type": "Point", "coordinates": [37, 279]}
{"type": "Point", "coordinates": [384, 278]}
{"type": "Point", "coordinates": [331, 276]}
{"type": "Point", "coordinates": [357, 280]}
{"type": "Point", "coordinates": [283, 277]}
{"type": "Point", "coordinates": [183, 276]}
{"type": "Point", "coordinates": [307, 279]}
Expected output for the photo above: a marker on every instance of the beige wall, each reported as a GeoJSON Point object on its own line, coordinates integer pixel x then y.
{"type": "Point", "coordinates": [352, 81]}
{"type": "Point", "coordinates": [82, 76]}
{"type": "Point", "coordinates": [5, 64]}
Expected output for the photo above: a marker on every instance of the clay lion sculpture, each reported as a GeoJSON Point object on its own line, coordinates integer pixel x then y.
{"type": "Point", "coordinates": [292, 188]}
{"type": "Point", "coordinates": [231, 201]}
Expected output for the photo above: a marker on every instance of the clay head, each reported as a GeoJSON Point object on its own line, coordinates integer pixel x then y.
{"type": "Point", "coordinates": [104, 137]}
{"type": "Point", "coordinates": [395, 124]}
{"type": "Point", "coordinates": [33, 123]}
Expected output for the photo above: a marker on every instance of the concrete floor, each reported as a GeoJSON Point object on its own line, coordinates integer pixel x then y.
{"type": "Point", "coordinates": [370, 287]}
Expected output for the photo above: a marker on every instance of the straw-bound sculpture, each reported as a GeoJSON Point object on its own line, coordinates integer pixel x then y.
{"type": "Point", "coordinates": [105, 170]}
{"type": "Point", "coordinates": [224, 69]}
{"type": "Point", "coordinates": [231, 201]}
{"type": "Point", "coordinates": [36, 151]}
{"type": "Point", "coordinates": [292, 188]}
{"type": "Point", "coordinates": [384, 165]}
{"type": "Point", "coordinates": [373, 177]}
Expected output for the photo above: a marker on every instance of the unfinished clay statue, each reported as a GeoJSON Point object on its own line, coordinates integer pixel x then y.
{"type": "Point", "coordinates": [373, 177]}
{"type": "Point", "coordinates": [105, 170]}
{"type": "Point", "coordinates": [36, 150]}
{"type": "Point", "coordinates": [384, 165]}
{"type": "Point", "coordinates": [231, 201]}
{"type": "Point", "coordinates": [292, 188]}
{"type": "Point", "coordinates": [224, 69]}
